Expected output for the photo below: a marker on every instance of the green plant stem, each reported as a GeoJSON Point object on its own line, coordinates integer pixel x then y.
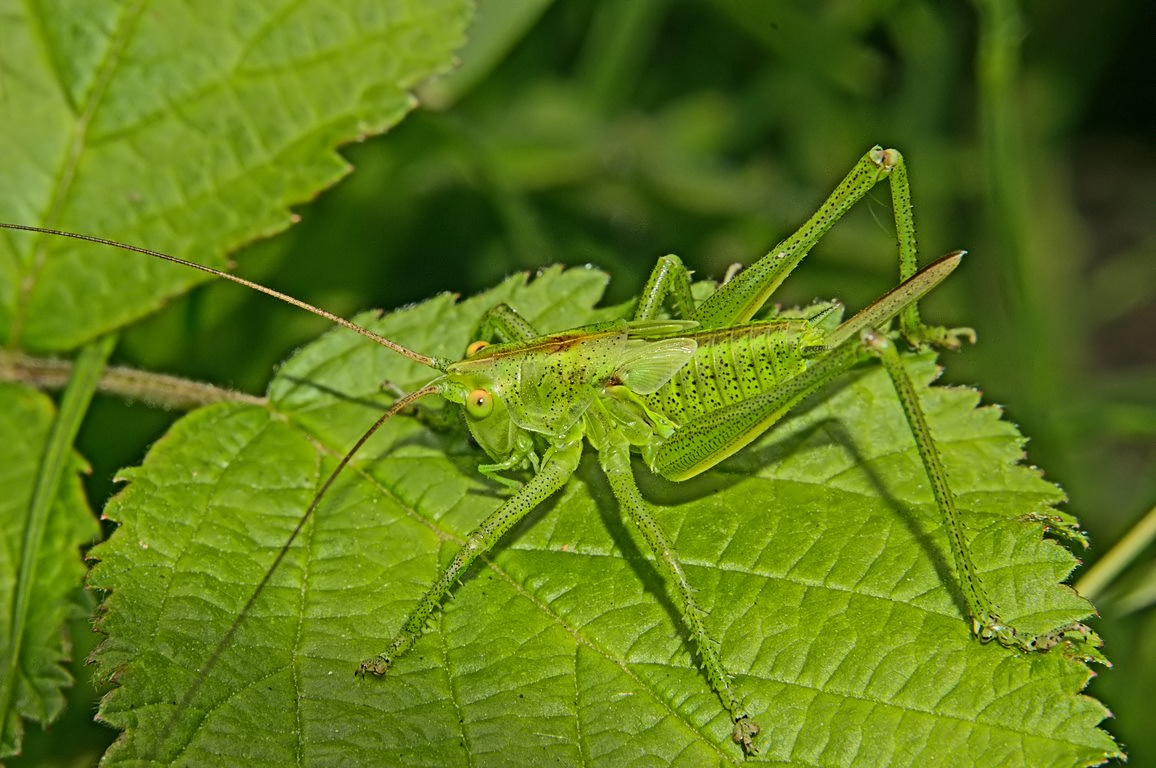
{"type": "Point", "coordinates": [57, 455]}
{"type": "Point", "coordinates": [154, 389]}
{"type": "Point", "coordinates": [1034, 357]}
{"type": "Point", "coordinates": [619, 40]}
{"type": "Point", "coordinates": [1100, 575]}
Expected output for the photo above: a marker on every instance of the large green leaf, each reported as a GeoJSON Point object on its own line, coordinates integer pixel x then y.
{"type": "Point", "coordinates": [189, 127]}
{"type": "Point", "coordinates": [817, 553]}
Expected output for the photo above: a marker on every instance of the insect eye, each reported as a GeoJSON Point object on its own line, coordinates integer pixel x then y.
{"type": "Point", "coordinates": [476, 347]}
{"type": "Point", "coordinates": [480, 403]}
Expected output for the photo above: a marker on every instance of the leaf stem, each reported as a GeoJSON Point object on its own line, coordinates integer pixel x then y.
{"type": "Point", "coordinates": [155, 389]}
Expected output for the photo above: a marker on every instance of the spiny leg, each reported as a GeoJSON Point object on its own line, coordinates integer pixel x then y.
{"type": "Point", "coordinates": [506, 323]}
{"type": "Point", "coordinates": [986, 622]}
{"type": "Point", "coordinates": [668, 278]}
{"type": "Point", "coordinates": [556, 469]}
{"type": "Point", "coordinates": [1077, 639]}
{"type": "Point", "coordinates": [615, 458]}
{"type": "Point", "coordinates": [910, 325]}
{"type": "Point", "coordinates": [739, 299]}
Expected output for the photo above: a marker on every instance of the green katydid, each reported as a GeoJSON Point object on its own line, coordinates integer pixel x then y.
{"type": "Point", "coordinates": [686, 392]}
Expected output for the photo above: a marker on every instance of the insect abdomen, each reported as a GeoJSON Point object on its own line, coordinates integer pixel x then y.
{"type": "Point", "coordinates": [734, 364]}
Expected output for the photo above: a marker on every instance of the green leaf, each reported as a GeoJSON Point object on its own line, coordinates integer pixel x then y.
{"type": "Point", "coordinates": [241, 105]}
{"type": "Point", "coordinates": [47, 581]}
{"type": "Point", "coordinates": [186, 127]}
{"type": "Point", "coordinates": [817, 553]}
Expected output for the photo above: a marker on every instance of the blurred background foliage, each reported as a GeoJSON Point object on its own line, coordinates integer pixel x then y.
{"type": "Point", "coordinates": [610, 133]}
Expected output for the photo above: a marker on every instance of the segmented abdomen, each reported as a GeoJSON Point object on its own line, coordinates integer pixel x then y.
{"type": "Point", "coordinates": [733, 364]}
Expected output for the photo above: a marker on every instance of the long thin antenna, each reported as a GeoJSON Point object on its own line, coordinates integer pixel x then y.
{"type": "Point", "coordinates": [337, 319]}
{"type": "Point", "coordinates": [226, 640]}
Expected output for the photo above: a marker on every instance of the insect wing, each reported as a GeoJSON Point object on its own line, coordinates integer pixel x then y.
{"type": "Point", "coordinates": [649, 365]}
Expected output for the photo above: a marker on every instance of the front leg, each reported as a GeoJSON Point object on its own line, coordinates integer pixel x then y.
{"type": "Point", "coordinates": [557, 467]}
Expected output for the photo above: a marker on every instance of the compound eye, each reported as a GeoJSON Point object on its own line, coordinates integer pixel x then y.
{"type": "Point", "coordinates": [476, 347]}
{"type": "Point", "coordinates": [480, 403]}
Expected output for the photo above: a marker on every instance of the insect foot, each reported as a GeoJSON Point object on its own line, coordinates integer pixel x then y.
{"type": "Point", "coordinates": [1077, 640]}
{"type": "Point", "coordinates": [939, 337]}
{"type": "Point", "coordinates": [377, 666]}
{"type": "Point", "coordinates": [992, 628]}
{"type": "Point", "coordinates": [744, 735]}
{"type": "Point", "coordinates": [1059, 525]}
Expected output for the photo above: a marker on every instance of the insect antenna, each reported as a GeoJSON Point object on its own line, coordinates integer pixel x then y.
{"type": "Point", "coordinates": [226, 640]}
{"type": "Point", "coordinates": [434, 387]}
{"type": "Point", "coordinates": [425, 360]}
